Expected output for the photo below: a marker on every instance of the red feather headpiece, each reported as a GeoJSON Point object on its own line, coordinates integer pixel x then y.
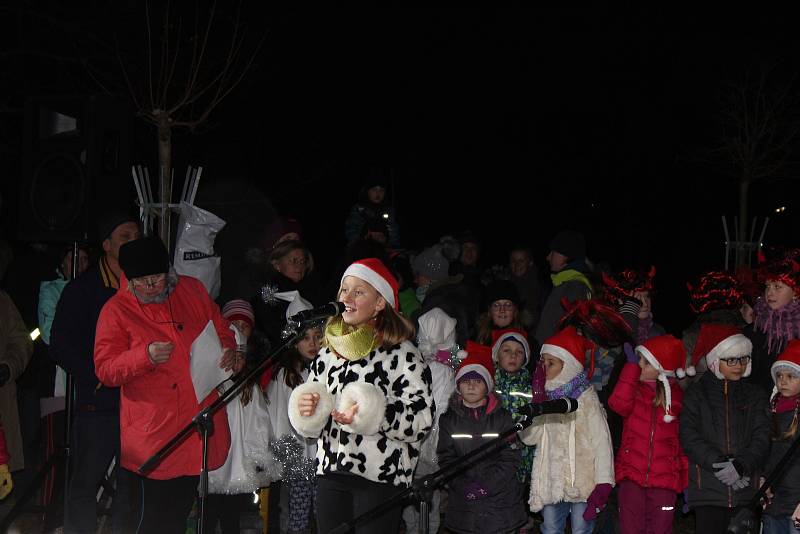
{"type": "Point", "coordinates": [785, 270]}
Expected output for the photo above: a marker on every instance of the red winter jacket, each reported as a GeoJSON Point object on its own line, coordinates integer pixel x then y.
{"type": "Point", "coordinates": [156, 401]}
{"type": "Point", "coordinates": [650, 453]}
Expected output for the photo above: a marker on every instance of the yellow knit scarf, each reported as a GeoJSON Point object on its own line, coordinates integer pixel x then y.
{"type": "Point", "coordinates": [351, 344]}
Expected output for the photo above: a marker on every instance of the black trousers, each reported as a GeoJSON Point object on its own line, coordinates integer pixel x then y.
{"type": "Point", "coordinates": [341, 498]}
{"type": "Point", "coordinates": [713, 519]}
{"type": "Point", "coordinates": [165, 504]}
{"type": "Point", "coordinates": [226, 509]}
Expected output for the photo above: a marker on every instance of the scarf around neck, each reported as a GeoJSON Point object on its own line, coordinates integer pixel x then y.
{"type": "Point", "coordinates": [780, 326]}
{"type": "Point", "coordinates": [571, 389]}
{"type": "Point", "coordinates": [351, 344]}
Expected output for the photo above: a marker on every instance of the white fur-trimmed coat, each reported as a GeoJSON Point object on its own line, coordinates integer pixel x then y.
{"type": "Point", "coordinates": [573, 453]}
{"type": "Point", "coordinates": [395, 411]}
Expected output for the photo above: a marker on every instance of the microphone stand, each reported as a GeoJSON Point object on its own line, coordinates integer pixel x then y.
{"type": "Point", "coordinates": [422, 489]}
{"type": "Point", "coordinates": [744, 520]}
{"type": "Point", "coordinates": [204, 424]}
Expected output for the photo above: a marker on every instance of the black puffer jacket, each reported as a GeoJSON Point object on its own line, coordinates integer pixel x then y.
{"type": "Point", "coordinates": [787, 489]}
{"type": "Point", "coordinates": [502, 510]}
{"type": "Point", "coordinates": [721, 419]}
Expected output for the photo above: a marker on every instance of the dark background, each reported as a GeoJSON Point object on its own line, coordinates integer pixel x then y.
{"type": "Point", "coordinates": [512, 123]}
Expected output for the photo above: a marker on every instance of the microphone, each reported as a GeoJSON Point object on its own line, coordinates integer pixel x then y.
{"type": "Point", "coordinates": [561, 406]}
{"type": "Point", "coordinates": [331, 309]}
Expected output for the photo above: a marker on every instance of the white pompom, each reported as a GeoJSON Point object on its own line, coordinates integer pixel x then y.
{"type": "Point", "coordinates": [691, 371]}
{"type": "Point", "coordinates": [669, 418]}
{"type": "Point", "coordinates": [680, 373]}
{"type": "Point", "coordinates": [461, 354]}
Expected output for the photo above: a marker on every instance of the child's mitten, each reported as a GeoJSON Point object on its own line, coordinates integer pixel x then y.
{"type": "Point", "coordinates": [597, 501]}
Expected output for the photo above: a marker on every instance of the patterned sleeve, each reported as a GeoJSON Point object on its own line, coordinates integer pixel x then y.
{"type": "Point", "coordinates": [409, 401]}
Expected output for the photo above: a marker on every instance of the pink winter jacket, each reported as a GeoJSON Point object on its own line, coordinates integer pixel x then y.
{"type": "Point", "coordinates": [650, 453]}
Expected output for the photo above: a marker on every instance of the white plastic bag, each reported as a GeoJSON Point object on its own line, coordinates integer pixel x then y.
{"type": "Point", "coordinates": [194, 249]}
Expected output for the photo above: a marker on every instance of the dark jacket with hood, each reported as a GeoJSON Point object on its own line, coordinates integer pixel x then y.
{"type": "Point", "coordinates": [502, 509]}
{"type": "Point", "coordinates": [724, 419]}
{"type": "Point", "coordinates": [787, 490]}
{"type": "Point", "coordinates": [570, 283]}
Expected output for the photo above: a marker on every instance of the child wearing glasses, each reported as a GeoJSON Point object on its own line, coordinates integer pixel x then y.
{"type": "Point", "coordinates": [724, 429]}
{"type": "Point", "coordinates": [782, 512]}
{"type": "Point", "coordinates": [502, 311]}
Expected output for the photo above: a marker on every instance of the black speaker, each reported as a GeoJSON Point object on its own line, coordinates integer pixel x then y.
{"type": "Point", "coordinates": [76, 161]}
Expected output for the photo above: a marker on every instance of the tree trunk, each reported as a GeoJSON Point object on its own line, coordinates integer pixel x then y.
{"type": "Point", "coordinates": [165, 168]}
{"type": "Point", "coordinates": [742, 255]}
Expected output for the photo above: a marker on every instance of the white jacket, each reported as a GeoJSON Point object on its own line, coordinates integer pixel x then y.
{"type": "Point", "coordinates": [278, 394]}
{"type": "Point", "coordinates": [573, 453]}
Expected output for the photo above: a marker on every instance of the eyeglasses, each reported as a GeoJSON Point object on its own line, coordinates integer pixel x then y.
{"type": "Point", "coordinates": [296, 261]}
{"type": "Point", "coordinates": [741, 360]}
{"type": "Point", "coordinates": [502, 305]}
{"type": "Point", "coordinates": [149, 281]}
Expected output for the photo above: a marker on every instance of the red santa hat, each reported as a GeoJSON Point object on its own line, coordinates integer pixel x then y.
{"type": "Point", "coordinates": [510, 334]}
{"type": "Point", "coordinates": [667, 355]}
{"type": "Point", "coordinates": [719, 341]}
{"type": "Point", "coordinates": [569, 347]}
{"type": "Point", "coordinates": [376, 274]}
{"type": "Point", "coordinates": [788, 361]}
{"type": "Point", "coordinates": [476, 358]}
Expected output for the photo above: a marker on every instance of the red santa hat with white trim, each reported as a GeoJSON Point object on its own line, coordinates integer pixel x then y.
{"type": "Point", "coordinates": [476, 358]}
{"type": "Point", "coordinates": [510, 334]}
{"type": "Point", "coordinates": [667, 354]}
{"type": "Point", "coordinates": [376, 274]}
{"type": "Point", "coordinates": [788, 362]}
{"type": "Point", "coordinates": [719, 341]}
{"type": "Point", "coordinates": [570, 347]}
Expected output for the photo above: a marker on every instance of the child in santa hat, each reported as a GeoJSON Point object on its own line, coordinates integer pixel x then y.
{"type": "Point", "coordinates": [650, 465]}
{"type": "Point", "coordinates": [367, 401]}
{"type": "Point", "coordinates": [782, 512]}
{"type": "Point", "coordinates": [486, 497]}
{"type": "Point", "coordinates": [724, 428]}
{"type": "Point", "coordinates": [511, 355]}
{"type": "Point", "coordinates": [573, 471]}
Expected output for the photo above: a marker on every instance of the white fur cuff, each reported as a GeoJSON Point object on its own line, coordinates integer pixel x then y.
{"type": "Point", "coordinates": [371, 408]}
{"type": "Point", "coordinates": [312, 425]}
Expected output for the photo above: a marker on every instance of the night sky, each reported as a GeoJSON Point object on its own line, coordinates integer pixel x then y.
{"type": "Point", "coordinates": [513, 123]}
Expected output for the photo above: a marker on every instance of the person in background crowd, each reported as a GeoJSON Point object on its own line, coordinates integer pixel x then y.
{"type": "Point", "coordinates": [436, 289]}
{"type": "Point", "coordinates": [145, 333]}
{"type": "Point", "coordinates": [401, 267]}
{"type": "Point", "coordinates": [250, 464]}
{"type": "Point", "coordinates": [782, 510]}
{"type": "Point", "coordinates": [634, 289]}
{"type": "Point", "coordinates": [95, 439]}
{"type": "Point", "coordinates": [724, 429]}
{"type": "Point", "coordinates": [486, 497]}
{"type": "Point", "coordinates": [367, 400]}
{"type": "Point", "coordinates": [469, 260]}
{"type": "Point", "coordinates": [525, 276]}
{"type": "Point", "coordinates": [716, 298]}
{"type": "Point", "coordinates": [503, 304]}
{"type": "Point", "coordinates": [650, 465]}
{"type": "Point", "coordinates": [777, 317]}
{"type": "Point", "coordinates": [292, 497]}
{"type": "Point", "coordinates": [15, 353]}
{"type": "Point", "coordinates": [567, 260]}
{"type": "Point", "coordinates": [437, 343]}
{"type": "Point", "coordinates": [373, 203]}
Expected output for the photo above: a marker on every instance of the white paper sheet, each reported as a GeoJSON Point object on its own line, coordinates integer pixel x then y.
{"type": "Point", "coordinates": [204, 362]}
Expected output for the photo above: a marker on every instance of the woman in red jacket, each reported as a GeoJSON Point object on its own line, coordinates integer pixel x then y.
{"type": "Point", "coordinates": [650, 465]}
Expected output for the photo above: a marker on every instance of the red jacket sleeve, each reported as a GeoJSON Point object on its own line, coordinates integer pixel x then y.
{"type": "Point", "coordinates": [623, 397]}
{"type": "Point", "coordinates": [117, 359]}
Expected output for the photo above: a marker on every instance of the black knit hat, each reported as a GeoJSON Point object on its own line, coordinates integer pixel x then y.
{"type": "Point", "coordinates": [570, 243]}
{"type": "Point", "coordinates": [143, 257]}
{"type": "Point", "coordinates": [109, 221]}
{"type": "Point", "coordinates": [502, 290]}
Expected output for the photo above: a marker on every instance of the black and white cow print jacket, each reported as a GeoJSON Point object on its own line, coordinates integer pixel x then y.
{"type": "Point", "coordinates": [392, 388]}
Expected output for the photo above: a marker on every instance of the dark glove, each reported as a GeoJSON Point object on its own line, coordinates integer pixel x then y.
{"type": "Point", "coordinates": [630, 305]}
{"type": "Point", "coordinates": [630, 354]}
{"type": "Point", "coordinates": [728, 472]}
{"type": "Point", "coordinates": [685, 508]}
{"type": "Point", "coordinates": [474, 491]}
{"type": "Point", "coordinates": [597, 501]}
{"type": "Point", "coordinates": [5, 374]}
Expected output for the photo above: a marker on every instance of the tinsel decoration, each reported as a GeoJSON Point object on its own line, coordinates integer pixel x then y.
{"type": "Point", "coordinates": [716, 290]}
{"type": "Point", "coordinates": [268, 294]}
{"type": "Point", "coordinates": [626, 283]}
{"type": "Point", "coordinates": [450, 357]}
{"type": "Point", "coordinates": [292, 457]}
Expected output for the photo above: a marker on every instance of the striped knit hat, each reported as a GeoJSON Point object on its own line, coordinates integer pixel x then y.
{"type": "Point", "coordinates": [239, 309]}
